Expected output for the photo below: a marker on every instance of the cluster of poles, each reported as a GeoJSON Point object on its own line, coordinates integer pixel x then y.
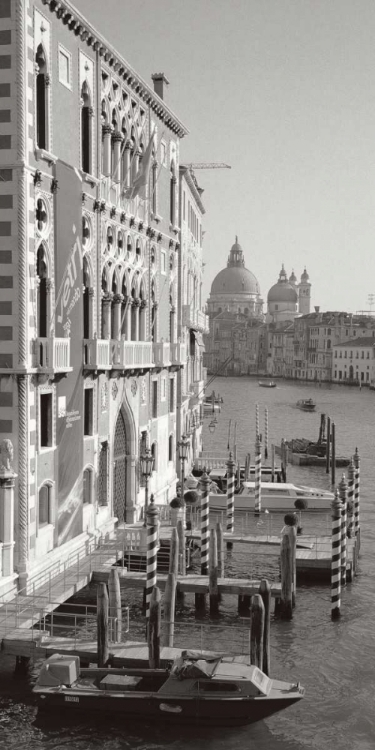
{"type": "Point", "coordinates": [345, 523]}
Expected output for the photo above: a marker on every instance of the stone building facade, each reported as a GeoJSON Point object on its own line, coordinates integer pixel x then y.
{"type": "Point", "coordinates": [89, 273]}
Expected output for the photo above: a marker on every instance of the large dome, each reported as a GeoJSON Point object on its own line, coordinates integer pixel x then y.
{"type": "Point", "coordinates": [235, 279]}
{"type": "Point", "coordinates": [283, 291]}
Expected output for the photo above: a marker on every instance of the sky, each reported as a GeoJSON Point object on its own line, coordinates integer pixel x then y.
{"type": "Point", "coordinates": [284, 92]}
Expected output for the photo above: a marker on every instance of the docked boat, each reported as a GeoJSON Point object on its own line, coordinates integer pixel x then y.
{"type": "Point", "coordinates": [276, 496]}
{"type": "Point", "coordinates": [200, 687]}
{"type": "Point", "coordinates": [267, 383]}
{"type": "Point", "coordinates": [306, 404]}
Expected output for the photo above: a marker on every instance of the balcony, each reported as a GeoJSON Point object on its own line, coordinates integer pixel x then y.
{"type": "Point", "coordinates": [52, 355]}
{"type": "Point", "coordinates": [162, 354]}
{"type": "Point", "coordinates": [132, 355]}
{"type": "Point", "coordinates": [203, 322]}
{"type": "Point", "coordinates": [97, 354]}
{"type": "Point", "coordinates": [178, 354]}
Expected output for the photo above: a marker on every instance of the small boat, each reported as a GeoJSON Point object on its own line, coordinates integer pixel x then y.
{"type": "Point", "coordinates": [276, 496]}
{"type": "Point", "coordinates": [200, 687]}
{"type": "Point", "coordinates": [267, 383]}
{"type": "Point", "coordinates": [306, 404]}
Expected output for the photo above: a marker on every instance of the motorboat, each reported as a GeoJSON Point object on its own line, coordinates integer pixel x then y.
{"type": "Point", "coordinates": [276, 496]}
{"type": "Point", "coordinates": [306, 404]}
{"type": "Point", "coordinates": [267, 383]}
{"type": "Point", "coordinates": [199, 687]}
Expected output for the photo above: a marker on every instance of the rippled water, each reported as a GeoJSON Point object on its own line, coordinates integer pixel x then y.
{"type": "Point", "coordinates": [333, 660]}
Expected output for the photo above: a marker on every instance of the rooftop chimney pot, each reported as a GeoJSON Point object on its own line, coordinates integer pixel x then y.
{"type": "Point", "coordinates": [160, 81]}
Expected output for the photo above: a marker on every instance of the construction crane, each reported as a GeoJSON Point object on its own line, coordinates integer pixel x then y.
{"type": "Point", "coordinates": [209, 165]}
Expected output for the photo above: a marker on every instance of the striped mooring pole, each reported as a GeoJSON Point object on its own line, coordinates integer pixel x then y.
{"type": "Point", "coordinates": [231, 474]}
{"type": "Point", "coordinates": [257, 431]}
{"type": "Point", "coordinates": [336, 557]}
{"type": "Point", "coordinates": [152, 517]}
{"type": "Point", "coordinates": [343, 492]}
{"type": "Point", "coordinates": [351, 473]}
{"type": "Point", "coordinates": [356, 491]}
{"type": "Point", "coordinates": [204, 484]}
{"type": "Point", "coordinates": [266, 434]}
{"type": "Point", "coordinates": [258, 477]}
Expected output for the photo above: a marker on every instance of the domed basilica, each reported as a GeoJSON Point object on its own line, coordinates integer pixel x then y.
{"type": "Point", "coordinates": [235, 289]}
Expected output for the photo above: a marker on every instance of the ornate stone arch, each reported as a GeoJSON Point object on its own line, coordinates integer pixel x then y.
{"type": "Point", "coordinates": [125, 413]}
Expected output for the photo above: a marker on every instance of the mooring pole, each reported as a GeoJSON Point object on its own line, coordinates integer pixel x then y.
{"type": "Point", "coordinates": [336, 557]}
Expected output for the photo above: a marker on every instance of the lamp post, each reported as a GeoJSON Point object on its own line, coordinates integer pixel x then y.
{"type": "Point", "coordinates": [183, 447]}
{"type": "Point", "coordinates": [212, 427]}
{"type": "Point", "coordinates": [147, 462]}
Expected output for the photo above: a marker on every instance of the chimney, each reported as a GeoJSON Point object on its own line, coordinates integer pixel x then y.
{"type": "Point", "coordinates": [317, 308]}
{"type": "Point", "coordinates": [160, 80]}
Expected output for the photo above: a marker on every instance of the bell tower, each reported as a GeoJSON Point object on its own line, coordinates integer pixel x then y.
{"type": "Point", "coordinates": [304, 294]}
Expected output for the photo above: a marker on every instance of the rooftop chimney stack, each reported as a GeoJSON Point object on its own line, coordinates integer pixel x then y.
{"type": "Point", "coordinates": [317, 308]}
{"type": "Point", "coordinates": [160, 81]}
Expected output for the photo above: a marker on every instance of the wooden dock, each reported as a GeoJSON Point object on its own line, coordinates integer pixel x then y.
{"type": "Point", "coordinates": [191, 584]}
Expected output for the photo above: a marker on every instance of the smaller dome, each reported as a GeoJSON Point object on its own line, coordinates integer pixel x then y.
{"type": "Point", "coordinates": [292, 278]}
{"type": "Point", "coordinates": [305, 276]}
{"type": "Point", "coordinates": [283, 291]}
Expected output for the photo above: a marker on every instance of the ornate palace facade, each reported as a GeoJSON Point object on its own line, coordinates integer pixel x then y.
{"type": "Point", "coordinates": [90, 309]}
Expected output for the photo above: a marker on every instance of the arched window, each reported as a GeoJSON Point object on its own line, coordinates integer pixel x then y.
{"type": "Point", "coordinates": [172, 197]}
{"type": "Point", "coordinates": [86, 300]}
{"type": "Point", "coordinates": [41, 98]}
{"type": "Point", "coordinates": [170, 448]}
{"type": "Point", "coordinates": [86, 145]}
{"type": "Point", "coordinates": [153, 313]}
{"type": "Point", "coordinates": [42, 301]}
{"type": "Point", "coordinates": [88, 482]}
{"type": "Point", "coordinates": [44, 505]}
{"type": "Point", "coordinates": [154, 454]}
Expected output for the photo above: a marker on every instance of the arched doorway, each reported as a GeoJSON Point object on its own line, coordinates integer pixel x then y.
{"type": "Point", "coordinates": [119, 469]}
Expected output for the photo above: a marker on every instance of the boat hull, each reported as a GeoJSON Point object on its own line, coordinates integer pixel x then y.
{"type": "Point", "coordinates": [268, 502]}
{"type": "Point", "coordinates": [211, 711]}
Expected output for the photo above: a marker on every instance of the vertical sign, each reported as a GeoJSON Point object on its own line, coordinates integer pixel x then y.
{"type": "Point", "coordinates": [68, 320]}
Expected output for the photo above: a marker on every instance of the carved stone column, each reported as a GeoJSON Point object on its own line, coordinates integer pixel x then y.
{"type": "Point", "coordinates": [106, 315]}
{"type": "Point", "coordinates": [117, 143]}
{"type": "Point", "coordinates": [126, 164]}
{"type": "Point", "coordinates": [142, 321]}
{"type": "Point", "coordinates": [131, 491]}
{"type": "Point", "coordinates": [116, 328]}
{"type": "Point", "coordinates": [91, 311]}
{"type": "Point", "coordinates": [23, 473]}
{"type": "Point", "coordinates": [7, 478]}
{"type": "Point", "coordinates": [129, 321]}
{"type": "Point", "coordinates": [135, 327]}
{"type": "Point", "coordinates": [107, 135]}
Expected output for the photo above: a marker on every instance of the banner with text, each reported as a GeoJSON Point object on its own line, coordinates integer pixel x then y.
{"type": "Point", "coordinates": [68, 319]}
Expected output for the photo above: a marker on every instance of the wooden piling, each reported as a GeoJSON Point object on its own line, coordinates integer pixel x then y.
{"type": "Point", "coordinates": [273, 462]}
{"type": "Point", "coordinates": [336, 557]}
{"type": "Point", "coordinates": [174, 553]}
{"type": "Point", "coordinates": [333, 453]}
{"type": "Point", "coordinates": [230, 494]}
{"type": "Point", "coordinates": [286, 568]}
{"type": "Point", "coordinates": [102, 624]}
{"type": "Point", "coordinates": [343, 498]}
{"type": "Point", "coordinates": [169, 606]}
{"type": "Point", "coordinates": [351, 475]}
{"type": "Point", "coordinates": [181, 547]}
{"type": "Point", "coordinates": [265, 592]}
{"type": "Point", "coordinates": [257, 430]}
{"type": "Point", "coordinates": [266, 434]}
{"type": "Point", "coordinates": [258, 477]}
{"type": "Point", "coordinates": [357, 465]}
{"type": "Point", "coordinates": [257, 617]}
{"type": "Point", "coordinates": [204, 483]}
{"type": "Point", "coordinates": [220, 550]}
{"type": "Point", "coordinates": [213, 574]}
{"type": "Point", "coordinates": [154, 629]}
{"type": "Point", "coordinates": [114, 599]}
{"type": "Point", "coordinates": [328, 444]}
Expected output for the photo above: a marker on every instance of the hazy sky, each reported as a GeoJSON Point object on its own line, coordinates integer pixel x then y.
{"type": "Point", "coordinates": [284, 92]}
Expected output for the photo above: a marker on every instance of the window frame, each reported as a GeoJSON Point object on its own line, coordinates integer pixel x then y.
{"type": "Point", "coordinates": [68, 55]}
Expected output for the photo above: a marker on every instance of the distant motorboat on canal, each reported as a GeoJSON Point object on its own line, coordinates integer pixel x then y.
{"type": "Point", "coordinates": [267, 383]}
{"type": "Point", "coordinates": [306, 404]}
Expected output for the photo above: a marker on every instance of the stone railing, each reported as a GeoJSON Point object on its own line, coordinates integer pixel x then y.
{"type": "Point", "coordinates": [97, 354]}
{"type": "Point", "coordinates": [162, 354]}
{"type": "Point", "coordinates": [132, 354]}
{"type": "Point", "coordinates": [52, 354]}
{"type": "Point", "coordinates": [178, 354]}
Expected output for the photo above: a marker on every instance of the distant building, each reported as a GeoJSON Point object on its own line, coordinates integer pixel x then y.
{"type": "Point", "coordinates": [286, 299]}
{"type": "Point", "coordinates": [235, 288]}
{"type": "Point", "coordinates": [354, 361]}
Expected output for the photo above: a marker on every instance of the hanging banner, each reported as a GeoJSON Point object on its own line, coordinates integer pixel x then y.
{"type": "Point", "coordinates": [67, 320]}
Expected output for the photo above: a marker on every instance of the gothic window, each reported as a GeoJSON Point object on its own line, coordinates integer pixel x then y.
{"type": "Point", "coordinates": [172, 197]}
{"type": "Point", "coordinates": [170, 448]}
{"type": "Point", "coordinates": [42, 302]}
{"type": "Point", "coordinates": [88, 481]}
{"type": "Point", "coordinates": [41, 98]}
{"type": "Point", "coordinates": [86, 137]}
{"type": "Point", "coordinates": [86, 300]}
{"type": "Point", "coordinates": [44, 505]}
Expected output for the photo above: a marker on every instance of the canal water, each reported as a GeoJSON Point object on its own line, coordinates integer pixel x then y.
{"type": "Point", "coordinates": [333, 660]}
